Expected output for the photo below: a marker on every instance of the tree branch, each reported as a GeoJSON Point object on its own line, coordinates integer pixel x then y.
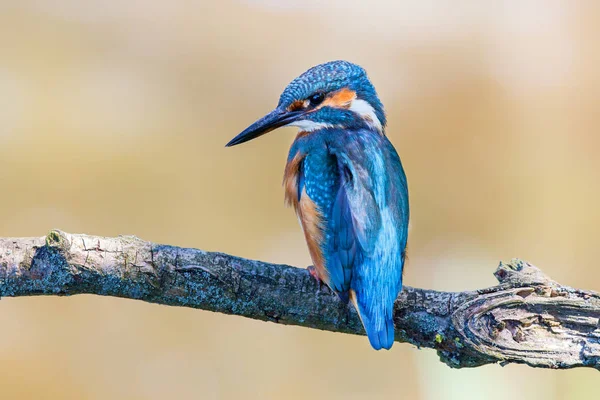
{"type": "Point", "coordinates": [528, 318]}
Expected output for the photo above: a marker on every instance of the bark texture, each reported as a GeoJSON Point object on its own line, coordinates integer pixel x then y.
{"type": "Point", "coordinates": [528, 318]}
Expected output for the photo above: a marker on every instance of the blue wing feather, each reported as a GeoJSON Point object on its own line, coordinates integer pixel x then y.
{"type": "Point", "coordinates": [342, 247]}
{"type": "Point", "coordinates": [370, 220]}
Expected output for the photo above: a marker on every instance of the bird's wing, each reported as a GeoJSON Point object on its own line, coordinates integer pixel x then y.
{"type": "Point", "coordinates": [370, 223]}
{"type": "Point", "coordinates": [353, 225]}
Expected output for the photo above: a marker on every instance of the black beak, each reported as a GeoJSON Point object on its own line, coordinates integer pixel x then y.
{"type": "Point", "coordinates": [273, 120]}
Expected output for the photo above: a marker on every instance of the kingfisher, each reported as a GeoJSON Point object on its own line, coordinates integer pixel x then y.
{"type": "Point", "coordinates": [346, 183]}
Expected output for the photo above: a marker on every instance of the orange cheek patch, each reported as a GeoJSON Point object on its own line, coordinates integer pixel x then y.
{"type": "Point", "coordinates": [340, 99]}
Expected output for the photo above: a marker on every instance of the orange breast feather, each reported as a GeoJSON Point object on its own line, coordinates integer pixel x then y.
{"type": "Point", "coordinates": [308, 214]}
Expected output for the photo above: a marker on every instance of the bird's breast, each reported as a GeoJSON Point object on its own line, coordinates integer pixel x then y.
{"type": "Point", "coordinates": [309, 182]}
{"type": "Point", "coordinates": [292, 178]}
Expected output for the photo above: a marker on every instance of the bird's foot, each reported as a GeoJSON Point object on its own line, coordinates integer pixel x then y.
{"type": "Point", "coordinates": [313, 272]}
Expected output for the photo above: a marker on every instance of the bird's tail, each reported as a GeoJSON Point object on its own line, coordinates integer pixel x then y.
{"type": "Point", "coordinates": [378, 323]}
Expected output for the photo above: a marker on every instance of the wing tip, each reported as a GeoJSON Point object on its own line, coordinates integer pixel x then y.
{"type": "Point", "coordinates": [382, 338]}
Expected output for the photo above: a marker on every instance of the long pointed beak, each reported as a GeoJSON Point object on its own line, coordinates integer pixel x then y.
{"type": "Point", "coordinates": [273, 120]}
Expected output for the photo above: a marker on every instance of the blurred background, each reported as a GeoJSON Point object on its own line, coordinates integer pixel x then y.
{"type": "Point", "coordinates": [113, 120]}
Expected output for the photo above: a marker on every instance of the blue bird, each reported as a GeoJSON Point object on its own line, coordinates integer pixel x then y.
{"type": "Point", "coordinates": [347, 185]}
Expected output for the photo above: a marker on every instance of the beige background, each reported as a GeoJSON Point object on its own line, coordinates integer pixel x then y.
{"type": "Point", "coordinates": [113, 118]}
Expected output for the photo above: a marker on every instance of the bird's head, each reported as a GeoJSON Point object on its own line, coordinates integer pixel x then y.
{"type": "Point", "coordinates": [335, 94]}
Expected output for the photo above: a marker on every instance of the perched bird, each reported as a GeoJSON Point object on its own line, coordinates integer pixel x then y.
{"type": "Point", "coordinates": [347, 185]}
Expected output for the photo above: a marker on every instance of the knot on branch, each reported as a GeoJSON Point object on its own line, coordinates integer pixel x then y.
{"type": "Point", "coordinates": [533, 321]}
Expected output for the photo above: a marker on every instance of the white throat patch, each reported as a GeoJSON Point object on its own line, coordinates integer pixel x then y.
{"type": "Point", "coordinates": [309, 126]}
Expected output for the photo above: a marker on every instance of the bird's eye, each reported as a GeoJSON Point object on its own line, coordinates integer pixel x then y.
{"type": "Point", "coordinates": [316, 99]}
